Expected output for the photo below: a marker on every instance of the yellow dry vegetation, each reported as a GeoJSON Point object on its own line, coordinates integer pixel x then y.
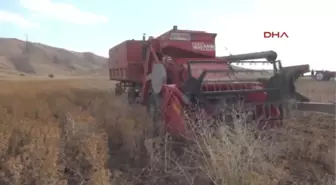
{"type": "Point", "coordinates": [76, 132]}
{"type": "Point", "coordinates": [38, 121]}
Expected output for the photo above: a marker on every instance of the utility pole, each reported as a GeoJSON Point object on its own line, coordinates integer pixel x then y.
{"type": "Point", "coordinates": [227, 50]}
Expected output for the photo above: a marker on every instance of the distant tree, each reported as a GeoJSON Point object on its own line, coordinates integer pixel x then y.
{"type": "Point", "coordinates": [51, 75]}
{"type": "Point", "coordinates": [22, 74]}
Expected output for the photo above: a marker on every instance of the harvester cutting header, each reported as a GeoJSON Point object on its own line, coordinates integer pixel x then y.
{"type": "Point", "coordinates": [179, 70]}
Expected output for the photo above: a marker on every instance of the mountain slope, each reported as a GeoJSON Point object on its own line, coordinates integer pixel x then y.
{"type": "Point", "coordinates": [20, 57]}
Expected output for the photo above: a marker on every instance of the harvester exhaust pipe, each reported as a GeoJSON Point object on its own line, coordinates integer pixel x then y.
{"type": "Point", "coordinates": [268, 55]}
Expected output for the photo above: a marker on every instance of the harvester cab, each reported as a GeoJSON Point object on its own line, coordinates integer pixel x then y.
{"type": "Point", "coordinates": [179, 70]}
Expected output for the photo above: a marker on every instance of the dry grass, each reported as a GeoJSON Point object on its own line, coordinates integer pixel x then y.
{"type": "Point", "coordinates": [76, 132]}
{"type": "Point", "coordinates": [49, 135]}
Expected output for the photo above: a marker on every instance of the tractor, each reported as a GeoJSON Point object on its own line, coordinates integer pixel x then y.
{"type": "Point", "coordinates": [323, 75]}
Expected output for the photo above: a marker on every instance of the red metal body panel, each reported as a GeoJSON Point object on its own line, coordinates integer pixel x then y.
{"type": "Point", "coordinates": [173, 109]}
{"type": "Point", "coordinates": [178, 43]}
{"type": "Point", "coordinates": [125, 61]}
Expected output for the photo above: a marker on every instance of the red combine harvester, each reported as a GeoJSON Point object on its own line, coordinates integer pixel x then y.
{"type": "Point", "coordinates": [178, 71]}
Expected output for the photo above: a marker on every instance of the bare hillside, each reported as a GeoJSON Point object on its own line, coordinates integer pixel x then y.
{"type": "Point", "coordinates": [18, 57]}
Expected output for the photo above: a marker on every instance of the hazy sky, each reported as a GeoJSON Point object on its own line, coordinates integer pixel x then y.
{"type": "Point", "coordinates": [84, 25]}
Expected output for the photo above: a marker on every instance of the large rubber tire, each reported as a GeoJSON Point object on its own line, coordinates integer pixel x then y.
{"type": "Point", "coordinates": [117, 90]}
{"type": "Point", "coordinates": [131, 96]}
{"type": "Point", "coordinates": [319, 76]}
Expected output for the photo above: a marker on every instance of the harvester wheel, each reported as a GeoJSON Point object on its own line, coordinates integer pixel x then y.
{"type": "Point", "coordinates": [118, 90]}
{"type": "Point", "coordinates": [153, 111]}
{"type": "Point", "coordinates": [131, 96]}
{"type": "Point", "coordinates": [319, 76]}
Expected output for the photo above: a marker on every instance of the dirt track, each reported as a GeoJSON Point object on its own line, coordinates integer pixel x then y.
{"type": "Point", "coordinates": [71, 131]}
{"type": "Point", "coordinates": [324, 91]}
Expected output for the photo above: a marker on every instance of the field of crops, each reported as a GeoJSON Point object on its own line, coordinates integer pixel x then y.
{"type": "Point", "coordinates": [75, 132]}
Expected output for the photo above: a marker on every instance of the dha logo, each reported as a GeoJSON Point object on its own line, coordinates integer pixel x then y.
{"type": "Point", "coordinates": [278, 35]}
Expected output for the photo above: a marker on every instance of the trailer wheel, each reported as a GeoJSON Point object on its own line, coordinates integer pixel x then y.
{"type": "Point", "coordinates": [118, 90]}
{"type": "Point", "coordinates": [131, 96]}
{"type": "Point", "coordinates": [153, 111]}
{"type": "Point", "coordinates": [319, 76]}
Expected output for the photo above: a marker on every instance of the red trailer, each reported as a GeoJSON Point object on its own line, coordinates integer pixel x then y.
{"type": "Point", "coordinates": [125, 65]}
{"type": "Point", "coordinates": [178, 71]}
